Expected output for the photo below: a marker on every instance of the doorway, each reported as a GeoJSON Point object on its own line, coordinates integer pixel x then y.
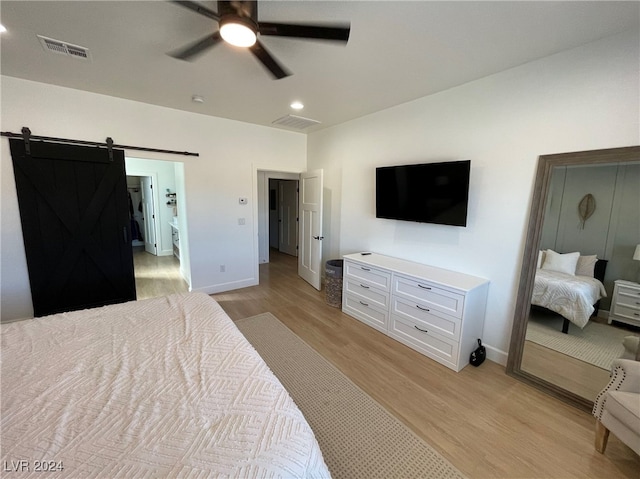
{"type": "Point", "coordinates": [308, 219]}
{"type": "Point", "coordinates": [142, 213]}
{"type": "Point", "coordinates": [156, 188]}
{"type": "Point", "coordinates": [283, 216]}
{"type": "Point", "coordinates": [277, 213]}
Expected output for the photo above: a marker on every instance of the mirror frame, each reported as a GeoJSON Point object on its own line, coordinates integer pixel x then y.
{"type": "Point", "coordinates": [546, 163]}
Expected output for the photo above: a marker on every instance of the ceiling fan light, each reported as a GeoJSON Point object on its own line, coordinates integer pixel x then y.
{"type": "Point", "coordinates": [238, 31]}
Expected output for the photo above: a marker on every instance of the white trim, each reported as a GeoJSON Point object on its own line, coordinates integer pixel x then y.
{"type": "Point", "coordinates": [223, 287]}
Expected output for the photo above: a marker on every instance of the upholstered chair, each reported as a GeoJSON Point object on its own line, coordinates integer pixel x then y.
{"type": "Point", "coordinates": [617, 407]}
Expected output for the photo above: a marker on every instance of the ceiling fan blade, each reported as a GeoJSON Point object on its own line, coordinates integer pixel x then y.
{"type": "Point", "coordinates": [196, 7]}
{"type": "Point", "coordinates": [337, 33]}
{"type": "Point", "coordinates": [262, 54]}
{"type": "Point", "coordinates": [197, 47]}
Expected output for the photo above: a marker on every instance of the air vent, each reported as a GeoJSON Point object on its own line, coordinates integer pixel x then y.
{"type": "Point", "coordinates": [297, 122]}
{"type": "Point", "coordinates": [64, 48]}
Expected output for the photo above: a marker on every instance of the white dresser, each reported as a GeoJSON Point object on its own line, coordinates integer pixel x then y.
{"type": "Point", "coordinates": [437, 312]}
{"type": "Point", "coordinates": [625, 303]}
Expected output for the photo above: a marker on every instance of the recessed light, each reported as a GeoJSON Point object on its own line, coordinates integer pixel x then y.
{"type": "Point", "coordinates": [2, 28]}
{"type": "Point", "coordinates": [296, 105]}
{"type": "Point", "coordinates": [197, 99]}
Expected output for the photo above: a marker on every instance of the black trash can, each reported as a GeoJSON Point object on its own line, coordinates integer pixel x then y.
{"type": "Point", "coordinates": [333, 282]}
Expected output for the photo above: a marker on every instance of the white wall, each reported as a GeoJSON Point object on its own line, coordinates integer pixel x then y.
{"type": "Point", "coordinates": [582, 99]}
{"type": "Point", "coordinates": [230, 154]}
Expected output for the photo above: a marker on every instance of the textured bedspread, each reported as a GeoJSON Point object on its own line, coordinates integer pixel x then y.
{"type": "Point", "coordinates": [156, 388]}
{"type": "Point", "coordinates": [571, 296]}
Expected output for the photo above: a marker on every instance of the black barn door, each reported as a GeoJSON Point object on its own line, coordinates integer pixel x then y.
{"type": "Point", "coordinates": [75, 222]}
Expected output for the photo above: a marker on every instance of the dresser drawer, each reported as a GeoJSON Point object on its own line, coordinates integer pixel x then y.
{"type": "Point", "coordinates": [627, 312]}
{"type": "Point", "coordinates": [367, 293]}
{"type": "Point", "coordinates": [433, 345]}
{"type": "Point", "coordinates": [370, 276]}
{"type": "Point", "coordinates": [430, 319]}
{"type": "Point", "coordinates": [430, 296]}
{"type": "Point", "coordinates": [628, 297]}
{"type": "Point", "coordinates": [365, 312]}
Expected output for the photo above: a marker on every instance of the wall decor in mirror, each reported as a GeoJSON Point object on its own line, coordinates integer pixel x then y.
{"type": "Point", "coordinates": [578, 274]}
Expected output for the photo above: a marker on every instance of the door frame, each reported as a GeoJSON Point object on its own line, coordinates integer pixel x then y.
{"type": "Point", "coordinates": [260, 206]}
{"type": "Point", "coordinates": [261, 211]}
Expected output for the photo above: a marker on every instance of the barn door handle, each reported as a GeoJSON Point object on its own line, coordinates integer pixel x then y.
{"type": "Point", "coordinates": [124, 234]}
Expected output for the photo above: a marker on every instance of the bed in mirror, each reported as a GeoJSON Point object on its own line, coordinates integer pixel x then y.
{"type": "Point", "coordinates": [584, 228]}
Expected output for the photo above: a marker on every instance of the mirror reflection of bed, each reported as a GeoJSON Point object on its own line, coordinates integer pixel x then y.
{"type": "Point", "coordinates": [569, 341]}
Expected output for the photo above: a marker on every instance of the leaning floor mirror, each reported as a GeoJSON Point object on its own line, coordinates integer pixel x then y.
{"type": "Point", "coordinates": [574, 314]}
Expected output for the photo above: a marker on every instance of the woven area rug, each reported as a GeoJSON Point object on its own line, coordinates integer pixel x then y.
{"type": "Point", "coordinates": [358, 437]}
{"type": "Point", "coordinates": [598, 344]}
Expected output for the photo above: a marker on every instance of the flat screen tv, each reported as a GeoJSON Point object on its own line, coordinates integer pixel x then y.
{"type": "Point", "coordinates": [427, 193]}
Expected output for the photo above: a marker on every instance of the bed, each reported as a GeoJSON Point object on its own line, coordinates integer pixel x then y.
{"type": "Point", "coordinates": [574, 295]}
{"type": "Point", "coordinates": [166, 387]}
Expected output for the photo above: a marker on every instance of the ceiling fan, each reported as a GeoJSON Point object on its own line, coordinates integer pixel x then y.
{"type": "Point", "coordinates": [239, 26]}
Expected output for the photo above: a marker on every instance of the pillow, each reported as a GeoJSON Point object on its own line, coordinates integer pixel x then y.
{"type": "Point", "coordinates": [586, 265]}
{"type": "Point", "coordinates": [540, 258]}
{"type": "Point", "coordinates": [562, 263]}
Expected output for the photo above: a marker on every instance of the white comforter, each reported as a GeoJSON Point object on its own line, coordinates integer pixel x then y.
{"type": "Point", "coordinates": [157, 388]}
{"type": "Point", "coordinates": [571, 296]}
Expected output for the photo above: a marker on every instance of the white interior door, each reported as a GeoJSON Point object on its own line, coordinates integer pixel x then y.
{"type": "Point", "coordinates": [310, 254]}
{"type": "Point", "coordinates": [148, 214]}
{"type": "Point", "coordinates": [287, 217]}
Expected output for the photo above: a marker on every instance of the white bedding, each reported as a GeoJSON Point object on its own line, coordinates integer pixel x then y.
{"type": "Point", "coordinates": [156, 388]}
{"type": "Point", "coordinates": [571, 296]}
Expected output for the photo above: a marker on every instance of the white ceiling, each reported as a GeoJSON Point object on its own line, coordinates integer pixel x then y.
{"type": "Point", "coordinates": [397, 51]}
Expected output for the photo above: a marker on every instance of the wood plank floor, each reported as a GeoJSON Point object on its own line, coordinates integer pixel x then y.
{"type": "Point", "coordinates": [486, 423]}
{"type": "Point", "coordinates": [156, 275]}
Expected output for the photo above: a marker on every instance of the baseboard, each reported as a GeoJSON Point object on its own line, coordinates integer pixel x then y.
{"type": "Point", "coordinates": [222, 287]}
{"type": "Point", "coordinates": [496, 355]}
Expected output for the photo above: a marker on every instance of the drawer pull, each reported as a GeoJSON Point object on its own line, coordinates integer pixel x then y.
{"type": "Point", "coordinates": [364, 304]}
{"type": "Point", "coordinates": [423, 330]}
{"type": "Point", "coordinates": [423, 309]}
{"type": "Point", "coordinates": [364, 286]}
{"type": "Point", "coordinates": [364, 269]}
{"type": "Point", "coordinates": [423, 287]}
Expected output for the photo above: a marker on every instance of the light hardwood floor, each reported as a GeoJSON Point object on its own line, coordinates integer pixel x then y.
{"type": "Point", "coordinates": [486, 423]}
{"type": "Point", "coordinates": [156, 275]}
